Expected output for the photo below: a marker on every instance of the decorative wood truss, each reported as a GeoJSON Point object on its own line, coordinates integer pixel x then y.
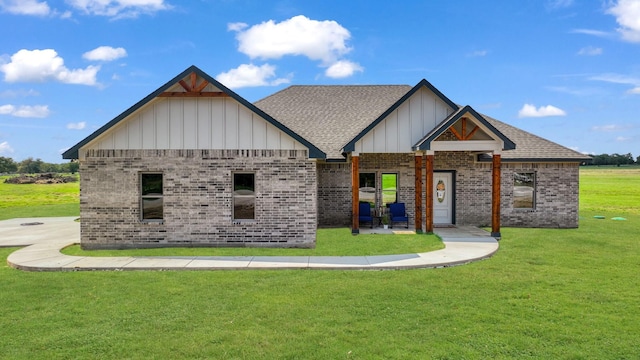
{"type": "Point", "coordinates": [463, 135]}
{"type": "Point", "coordinates": [193, 89]}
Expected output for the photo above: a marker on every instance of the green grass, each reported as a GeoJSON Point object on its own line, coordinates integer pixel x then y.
{"type": "Point", "coordinates": [330, 242]}
{"type": "Point", "coordinates": [546, 294]}
{"type": "Point", "coordinates": [610, 189]}
{"type": "Point", "coordinates": [38, 200]}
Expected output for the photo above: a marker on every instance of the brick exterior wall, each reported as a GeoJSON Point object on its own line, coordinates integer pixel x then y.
{"type": "Point", "coordinates": [556, 198]}
{"type": "Point", "coordinates": [334, 194]}
{"type": "Point", "coordinates": [556, 189]}
{"type": "Point", "coordinates": [334, 185]}
{"type": "Point", "coordinates": [198, 201]}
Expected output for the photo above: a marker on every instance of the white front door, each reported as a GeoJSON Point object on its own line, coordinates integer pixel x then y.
{"type": "Point", "coordinates": [442, 198]}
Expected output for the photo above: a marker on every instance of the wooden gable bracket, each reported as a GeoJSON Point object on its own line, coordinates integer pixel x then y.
{"type": "Point", "coordinates": [464, 136]}
{"type": "Point", "coordinates": [193, 89]}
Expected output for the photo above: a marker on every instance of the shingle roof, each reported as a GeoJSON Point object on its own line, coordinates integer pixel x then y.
{"type": "Point", "coordinates": [330, 116]}
{"type": "Point", "coordinates": [530, 147]}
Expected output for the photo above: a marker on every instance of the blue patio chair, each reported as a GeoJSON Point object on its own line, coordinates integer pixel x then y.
{"type": "Point", "coordinates": [364, 214]}
{"type": "Point", "coordinates": [398, 214]}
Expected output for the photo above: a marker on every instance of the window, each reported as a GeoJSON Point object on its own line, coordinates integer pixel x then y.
{"type": "Point", "coordinates": [368, 188]}
{"type": "Point", "coordinates": [244, 196]}
{"type": "Point", "coordinates": [151, 201]}
{"type": "Point", "coordinates": [389, 189]}
{"type": "Point", "coordinates": [524, 190]}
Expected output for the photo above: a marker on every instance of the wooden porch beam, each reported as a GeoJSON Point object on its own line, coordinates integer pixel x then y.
{"type": "Point", "coordinates": [201, 87]}
{"type": "Point", "coordinates": [429, 194]}
{"type": "Point", "coordinates": [464, 128]}
{"type": "Point", "coordinates": [495, 197]}
{"type": "Point", "coordinates": [184, 85]}
{"type": "Point", "coordinates": [456, 133]}
{"type": "Point", "coordinates": [355, 194]}
{"type": "Point", "coordinates": [194, 79]}
{"type": "Point", "coordinates": [418, 191]}
{"type": "Point", "coordinates": [470, 135]}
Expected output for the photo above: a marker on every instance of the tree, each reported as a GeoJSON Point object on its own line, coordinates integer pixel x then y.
{"type": "Point", "coordinates": [7, 165]}
{"type": "Point", "coordinates": [30, 166]}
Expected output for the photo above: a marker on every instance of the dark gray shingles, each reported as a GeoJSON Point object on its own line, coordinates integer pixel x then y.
{"type": "Point", "coordinates": [533, 147]}
{"type": "Point", "coordinates": [331, 116]}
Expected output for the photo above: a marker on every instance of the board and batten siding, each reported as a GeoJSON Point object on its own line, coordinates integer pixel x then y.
{"type": "Point", "coordinates": [194, 123]}
{"type": "Point", "coordinates": [406, 125]}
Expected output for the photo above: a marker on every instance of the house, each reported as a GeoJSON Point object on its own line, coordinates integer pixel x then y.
{"type": "Point", "coordinates": [195, 164]}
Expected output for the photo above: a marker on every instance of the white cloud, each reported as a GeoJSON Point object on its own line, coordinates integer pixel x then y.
{"type": "Point", "coordinates": [623, 139]}
{"type": "Point", "coordinates": [592, 32]}
{"type": "Point", "coordinates": [558, 4]}
{"type": "Point", "coordinates": [529, 110]}
{"type": "Point", "coordinates": [105, 53]}
{"type": "Point", "coordinates": [342, 69]}
{"type": "Point", "coordinates": [620, 79]}
{"type": "Point", "coordinates": [478, 53]}
{"type": "Point", "coordinates": [18, 93]}
{"type": "Point", "coordinates": [5, 148]}
{"type": "Point", "coordinates": [45, 65]}
{"type": "Point", "coordinates": [25, 111]}
{"type": "Point", "coordinates": [318, 40]}
{"type": "Point", "coordinates": [248, 75]}
{"type": "Point", "coordinates": [627, 13]}
{"type": "Point", "coordinates": [611, 128]}
{"type": "Point", "coordinates": [590, 51]}
{"type": "Point", "coordinates": [118, 9]}
{"type": "Point", "coordinates": [25, 7]}
{"type": "Point", "coordinates": [77, 126]}
{"type": "Point", "coordinates": [239, 26]}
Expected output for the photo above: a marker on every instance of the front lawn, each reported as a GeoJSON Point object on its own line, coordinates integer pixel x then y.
{"type": "Point", "coordinates": [546, 294]}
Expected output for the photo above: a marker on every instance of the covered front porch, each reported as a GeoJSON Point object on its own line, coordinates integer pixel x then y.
{"type": "Point", "coordinates": [445, 175]}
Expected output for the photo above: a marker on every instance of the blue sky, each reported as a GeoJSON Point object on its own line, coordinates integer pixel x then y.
{"type": "Point", "coordinates": [565, 70]}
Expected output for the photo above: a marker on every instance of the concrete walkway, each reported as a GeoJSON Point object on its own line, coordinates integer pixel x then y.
{"type": "Point", "coordinates": [43, 238]}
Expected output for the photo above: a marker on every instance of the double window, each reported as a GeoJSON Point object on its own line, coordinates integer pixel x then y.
{"type": "Point", "coordinates": [388, 191]}
{"type": "Point", "coordinates": [244, 196]}
{"type": "Point", "coordinates": [151, 197]}
{"type": "Point", "coordinates": [524, 190]}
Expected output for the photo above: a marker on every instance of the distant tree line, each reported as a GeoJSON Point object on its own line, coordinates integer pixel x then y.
{"type": "Point", "coordinates": [614, 159]}
{"type": "Point", "coordinates": [37, 166]}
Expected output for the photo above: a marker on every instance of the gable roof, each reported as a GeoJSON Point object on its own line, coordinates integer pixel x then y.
{"type": "Point", "coordinates": [72, 153]}
{"type": "Point", "coordinates": [331, 115]}
{"type": "Point", "coordinates": [350, 146]}
{"type": "Point", "coordinates": [425, 142]}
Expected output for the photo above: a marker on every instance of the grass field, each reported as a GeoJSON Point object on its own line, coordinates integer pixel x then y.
{"type": "Point", "coordinates": [546, 294]}
{"type": "Point", "coordinates": [38, 200]}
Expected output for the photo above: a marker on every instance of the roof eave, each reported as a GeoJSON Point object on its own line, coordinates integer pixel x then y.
{"type": "Point", "coordinates": [73, 152]}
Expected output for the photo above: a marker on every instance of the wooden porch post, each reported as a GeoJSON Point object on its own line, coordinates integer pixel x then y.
{"type": "Point", "coordinates": [355, 193]}
{"type": "Point", "coordinates": [495, 198]}
{"type": "Point", "coordinates": [418, 191]}
{"type": "Point", "coordinates": [429, 192]}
